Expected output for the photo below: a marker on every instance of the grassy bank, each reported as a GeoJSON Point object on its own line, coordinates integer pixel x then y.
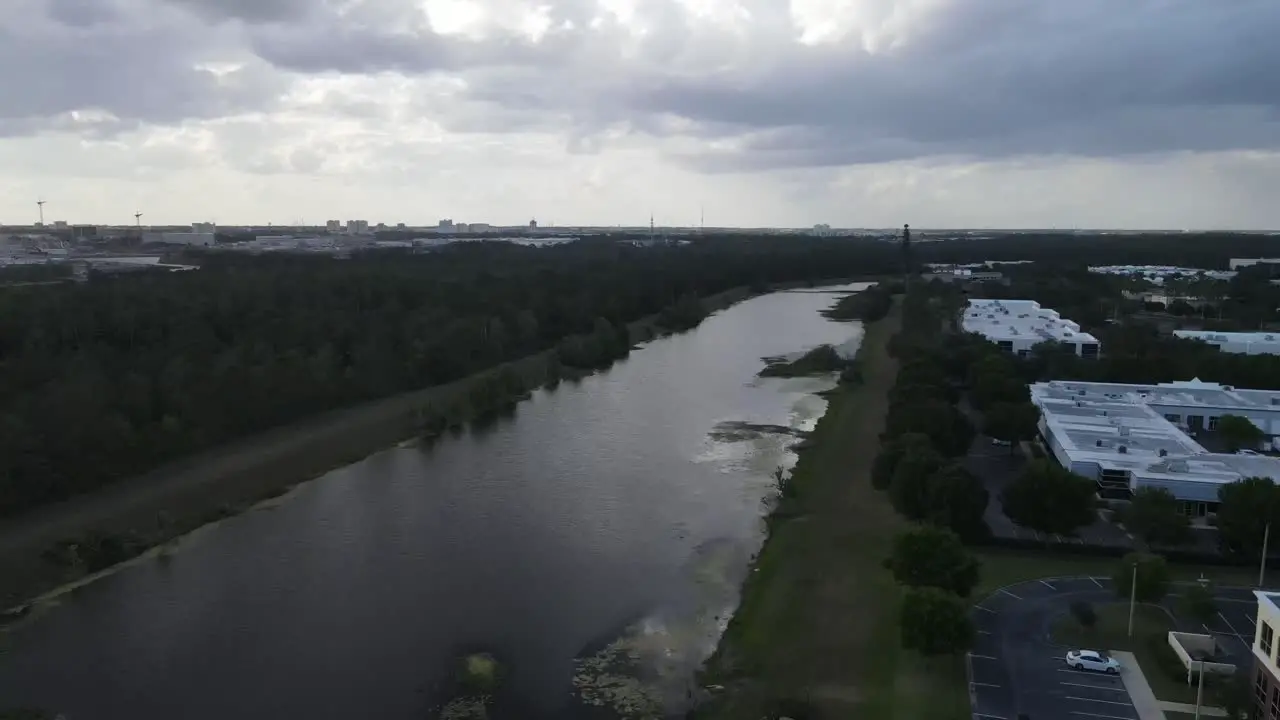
{"type": "Point", "coordinates": [175, 500]}
{"type": "Point", "coordinates": [816, 621]}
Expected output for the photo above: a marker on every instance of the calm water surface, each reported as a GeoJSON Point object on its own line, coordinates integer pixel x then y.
{"type": "Point", "coordinates": [594, 543]}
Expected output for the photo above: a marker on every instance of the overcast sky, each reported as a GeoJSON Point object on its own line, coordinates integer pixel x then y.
{"type": "Point", "coordinates": [862, 113]}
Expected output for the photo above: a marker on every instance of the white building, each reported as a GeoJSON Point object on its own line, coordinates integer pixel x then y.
{"type": "Point", "coordinates": [190, 239]}
{"type": "Point", "coordinates": [1018, 325]}
{"type": "Point", "coordinates": [204, 227]}
{"type": "Point", "coordinates": [1129, 436]}
{"type": "Point", "coordinates": [1157, 273]}
{"type": "Point", "coordinates": [1247, 343]}
{"type": "Point", "coordinates": [333, 227]}
{"type": "Point", "coordinates": [357, 227]}
{"type": "Point", "coordinates": [1237, 263]}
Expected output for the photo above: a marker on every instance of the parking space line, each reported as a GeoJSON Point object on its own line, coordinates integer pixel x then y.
{"type": "Point", "coordinates": [1057, 537]}
{"type": "Point", "coordinates": [1233, 629]}
{"type": "Point", "coordinates": [984, 632]}
{"type": "Point", "coordinates": [1015, 597]}
{"type": "Point", "coordinates": [1048, 585]}
{"type": "Point", "coordinates": [986, 685]}
{"type": "Point", "coordinates": [1095, 581]}
{"type": "Point", "coordinates": [993, 717]}
{"type": "Point", "coordinates": [1093, 687]}
{"type": "Point", "coordinates": [993, 612]}
{"type": "Point", "coordinates": [1110, 717]}
{"type": "Point", "coordinates": [1108, 702]}
{"type": "Point", "coordinates": [982, 657]}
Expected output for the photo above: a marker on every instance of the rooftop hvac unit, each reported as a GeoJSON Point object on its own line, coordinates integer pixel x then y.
{"type": "Point", "coordinates": [1275, 401]}
{"type": "Point", "coordinates": [1163, 452]}
{"type": "Point", "coordinates": [1123, 449]}
{"type": "Point", "coordinates": [1099, 443]}
{"type": "Point", "coordinates": [1080, 392]}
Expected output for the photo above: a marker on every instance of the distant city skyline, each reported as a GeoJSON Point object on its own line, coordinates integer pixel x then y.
{"type": "Point", "coordinates": [764, 113]}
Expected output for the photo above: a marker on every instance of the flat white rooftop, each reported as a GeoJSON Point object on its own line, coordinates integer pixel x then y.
{"type": "Point", "coordinates": [1121, 427]}
{"type": "Point", "coordinates": [1186, 394]}
{"type": "Point", "coordinates": [1251, 342]}
{"type": "Point", "coordinates": [1021, 320]}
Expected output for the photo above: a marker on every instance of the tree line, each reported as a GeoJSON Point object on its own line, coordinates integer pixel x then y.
{"type": "Point", "coordinates": [112, 377]}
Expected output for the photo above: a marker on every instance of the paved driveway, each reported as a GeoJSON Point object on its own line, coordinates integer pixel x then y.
{"type": "Point", "coordinates": [1015, 668]}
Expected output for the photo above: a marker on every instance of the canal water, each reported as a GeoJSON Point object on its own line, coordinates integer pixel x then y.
{"type": "Point", "coordinates": [594, 543]}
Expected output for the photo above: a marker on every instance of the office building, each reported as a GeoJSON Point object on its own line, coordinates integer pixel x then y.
{"type": "Point", "coordinates": [1266, 674]}
{"type": "Point", "coordinates": [1126, 437]}
{"type": "Point", "coordinates": [1019, 325]}
{"type": "Point", "coordinates": [1246, 343]}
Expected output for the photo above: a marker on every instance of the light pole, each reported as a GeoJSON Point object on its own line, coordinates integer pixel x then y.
{"type": "Point", "coordinates": [1262, 564]}
{"type": "Point", "coordinates": [1133, 597]}
{"type": "Point", "coordinates": [1200, 690]}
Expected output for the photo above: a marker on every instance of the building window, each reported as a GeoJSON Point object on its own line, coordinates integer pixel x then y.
{"type": "Point", "coordinates": [1006, 345]}
{"type": "Point", "coordinates": [1213, 424]}
{"type": "Point", "coordinates": [1265, 636]}
{"type": "Point", "coordinates": [1260, 687]}
{"type": "Point", "coordinates": [1275, 702]}
{"type": "Point", "coordinates": [1173, 418]}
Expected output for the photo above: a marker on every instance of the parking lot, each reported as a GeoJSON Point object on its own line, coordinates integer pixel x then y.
{"type": "Point", "coordinates": [1015, 668]}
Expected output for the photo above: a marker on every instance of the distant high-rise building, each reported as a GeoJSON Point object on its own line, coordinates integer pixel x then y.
{"type": "Point", "coordinates": [203, 227]}
{"type": "Point", "coordinates": [333, 226]}
{"type": "Point", "coordinates": [357, 227]}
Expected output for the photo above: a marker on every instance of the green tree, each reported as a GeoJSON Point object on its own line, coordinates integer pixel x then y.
{"type": "Point", "coordinates": [1239, 432]}
{"type": "Point", "coordinates": [1152, 577]}
{"type": "Point", "coordinates": [909, 491]}
{"type": "Point", "coordinates": [957, 499]}
{"type": "Point", "coordinates": [1198, 602]}
{"type": "Point", "coordinates": [891, 454]}
{"type": "Point", "coordinates": [1245, 509]}
{"type": "Point", "coordinates": [1012, 422]}
{"type": "Point", "coordinates": [929, 556]}
{"type": "Point", "coordinates": [1050, 499]}
{"type": "Point", "coordinates": [1156, 516]}
{"type": "Point", "coordinates": [1235, 695]}
{"type": "Point", "coordinates": [935, 622]}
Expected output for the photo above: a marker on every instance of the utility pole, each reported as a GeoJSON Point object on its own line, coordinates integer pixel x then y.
{"type": "Point", "coordinates": [1133, 597]}
{"type": "Point", "coordinates": [40, 204]}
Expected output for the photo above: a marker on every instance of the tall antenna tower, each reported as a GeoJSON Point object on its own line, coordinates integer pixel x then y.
{"type": "Point", "coordinates": [137, 219]}
{"type": "Point", "coordinates": [40, 204]}
{"type": "Point", "coordinates": [906, 252]}
{"type": "Point", "coordinates": [702, 218]}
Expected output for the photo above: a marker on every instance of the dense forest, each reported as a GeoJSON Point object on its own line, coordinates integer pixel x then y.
{"type": "Point", "coordinates": [109, 378]}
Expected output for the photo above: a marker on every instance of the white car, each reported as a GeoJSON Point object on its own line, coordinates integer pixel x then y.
{"type": "Point", "coordinates": [1247, 452]}
{"type": "Point", "coordinates": [1092, 660]}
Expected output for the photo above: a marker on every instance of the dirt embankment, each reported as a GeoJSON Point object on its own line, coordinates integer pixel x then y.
{"type": "Point", "coordinates": [178, 498]}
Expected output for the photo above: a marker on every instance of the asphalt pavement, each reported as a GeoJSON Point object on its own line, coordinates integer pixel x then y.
{"type": "Point", "coordinates": [996, 466]}
{"type": "Point", "coordinates": [1015, 667]}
